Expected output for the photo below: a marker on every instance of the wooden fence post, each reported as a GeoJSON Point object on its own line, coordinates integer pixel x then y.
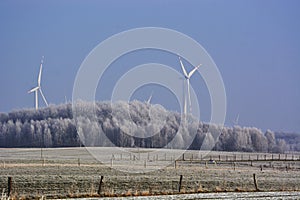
{"type": "Point", "coordinates": [255, 182]}
{"type": "Point", "coordinates": [180, 181]}
{"type": "Point", "coordinates": [100, 185]}
{"type": "Point", "coordinates": [9, 185]}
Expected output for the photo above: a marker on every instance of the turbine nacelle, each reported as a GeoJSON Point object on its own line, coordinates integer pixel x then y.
{"type": "Point", "coordinates": [188, 75]}
{"type": "Point", "coordinates": [33, 89]}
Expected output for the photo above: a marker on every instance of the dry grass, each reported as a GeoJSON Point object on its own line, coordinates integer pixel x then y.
{"type": "Point", "coordinates": [129, 193]}
{"type": "Point", "coordinates": [219, 189]}
{"type": "Point", "coordinates": [200, 189]}
{"type": "Point", "coordinates": [62, 177]}
{"type": "Point", "coordinates": [145, 193]}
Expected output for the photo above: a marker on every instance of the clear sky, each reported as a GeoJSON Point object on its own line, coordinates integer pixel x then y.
{"type": "Point", "coordinates": [255, 44]}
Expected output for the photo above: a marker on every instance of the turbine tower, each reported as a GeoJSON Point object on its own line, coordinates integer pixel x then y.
{"type": "Point", "coordinates": [38, 88]}
{"type": "Point", "coordinates": [187, 77]}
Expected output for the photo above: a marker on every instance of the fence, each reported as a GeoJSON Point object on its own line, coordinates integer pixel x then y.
{"type": "Point", "coordinates": [200, 173]}
{"type": "Point", "coordinates": [108, 186]}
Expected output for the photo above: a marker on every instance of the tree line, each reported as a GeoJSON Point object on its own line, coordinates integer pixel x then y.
{"type": "Point", "coordinates": [133, 124]}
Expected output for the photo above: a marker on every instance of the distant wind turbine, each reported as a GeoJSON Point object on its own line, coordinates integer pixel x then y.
{"type": "Point", "coordinates": [38, 88]}
{"type": "Point", "coordinates": [187, 77]}
{"type": "Point", "coordinates": [236, 121]}
{"type": "Point", "coordinates": [66, 101]}
{"type": "Point", "coordinates": [150, 98]}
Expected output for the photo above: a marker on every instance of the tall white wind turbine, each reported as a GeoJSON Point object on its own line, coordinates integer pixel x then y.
{"type": "Point", "coordinates": [187, 77]}
{"type": "Point", "coordinates": [38, 88]}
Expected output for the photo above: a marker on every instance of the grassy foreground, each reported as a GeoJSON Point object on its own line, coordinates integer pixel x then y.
{"type": "Point", "coordinates": [74, 172]}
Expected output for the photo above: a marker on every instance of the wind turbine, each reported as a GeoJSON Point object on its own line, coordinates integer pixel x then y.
{"type": "Point", "coordinates": [38, 88]}
{"type": "Point", "coordinates": [187, 77]}
{"type": "Point", "coordinates": [150, 98]}
{"type": "Point", "coordinates": [236, 121]}
{"type": "Point", "coordinates": [66, 101]}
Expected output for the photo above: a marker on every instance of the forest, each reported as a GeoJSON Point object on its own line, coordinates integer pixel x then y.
{"type": "Point", "coordinates": [132, 124]}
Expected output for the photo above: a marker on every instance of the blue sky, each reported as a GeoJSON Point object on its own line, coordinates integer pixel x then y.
{"type": "Point", "coordinates": [255, 45]}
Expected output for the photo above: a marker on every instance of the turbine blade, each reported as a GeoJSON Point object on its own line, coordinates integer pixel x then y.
{"type": "Point", "coordinates": [237, 119]}
{"type": "Point", "coordinates": [40, 73]}
{"type": "Point", "coordinates": [182, 67]}
{"type": "Point", "coordinates": [33, 89]}
{"type": "Point", "coordinates": [40, 89]}
{"type": "Point", "coordinates": [149, 100]}
{"type": "Point", "coordinates": [193, 71]}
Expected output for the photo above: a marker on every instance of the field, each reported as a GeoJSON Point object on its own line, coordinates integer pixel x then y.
{"type": "Point", "coordinates": [76, 172]}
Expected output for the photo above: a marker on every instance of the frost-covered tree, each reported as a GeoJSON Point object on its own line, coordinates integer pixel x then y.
{"type": "Point", "coordinates": [131, 124]}
{"type": "Point", "coordinates": [271, 140]}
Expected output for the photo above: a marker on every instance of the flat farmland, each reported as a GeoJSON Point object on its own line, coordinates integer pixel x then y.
{"type": "Point", "coordinates": [76, 172]}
